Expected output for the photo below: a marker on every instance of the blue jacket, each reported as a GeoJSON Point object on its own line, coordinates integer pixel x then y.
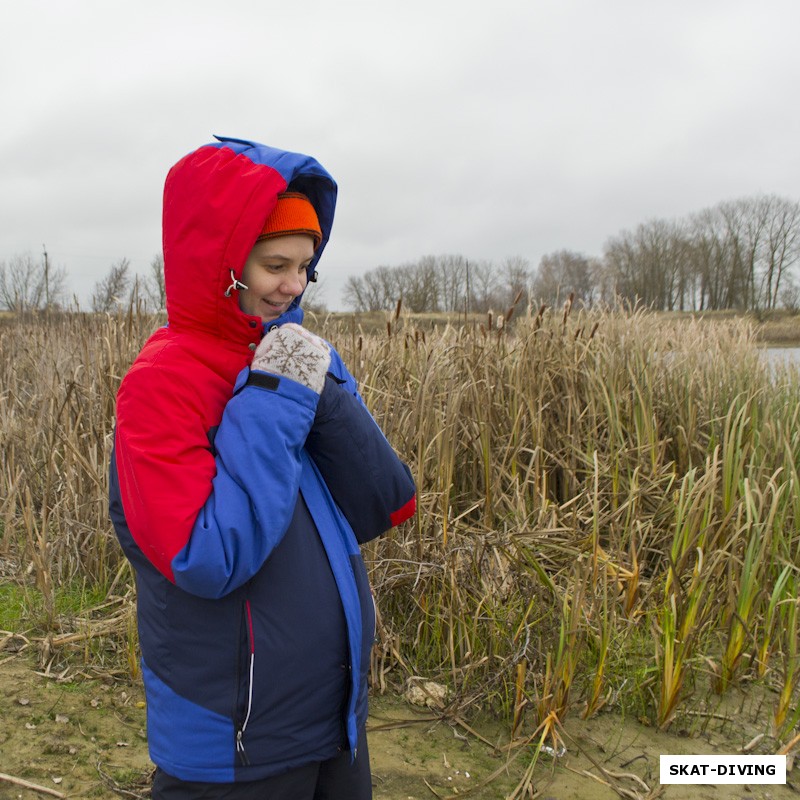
{"type": "Point", "coordinates": [240, 498]}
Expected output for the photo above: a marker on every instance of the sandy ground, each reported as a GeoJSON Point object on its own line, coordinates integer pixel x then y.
{"type": "Point", "coordinates": [78, 737]}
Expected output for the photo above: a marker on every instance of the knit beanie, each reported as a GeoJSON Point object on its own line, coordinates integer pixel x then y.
{"type": "Point", "coordinates": [293, 214]}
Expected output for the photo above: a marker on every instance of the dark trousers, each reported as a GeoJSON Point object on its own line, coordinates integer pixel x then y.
{"type": "Point", "coordinates": [336, 779]}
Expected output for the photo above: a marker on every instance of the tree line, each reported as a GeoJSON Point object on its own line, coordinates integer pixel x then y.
{"type": "Point", "coordinates": [439, 283]}
{"type": "Point", "coordinates": [28, 284]}
{"type": "Point", "coordinates": [740, 254]}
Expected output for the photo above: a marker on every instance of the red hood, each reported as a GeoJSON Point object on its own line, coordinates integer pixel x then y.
{"type": "Point", "coordinates": [215, 201]}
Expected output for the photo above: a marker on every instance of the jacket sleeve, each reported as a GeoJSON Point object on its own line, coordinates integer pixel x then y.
{"type": "Point", "coordinates": [370, 484]}
{"type": "Point", "coordinates": [208, 524]}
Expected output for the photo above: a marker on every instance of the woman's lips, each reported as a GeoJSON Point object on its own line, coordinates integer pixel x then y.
{"type": "Point", "coordinates": [276, 307]}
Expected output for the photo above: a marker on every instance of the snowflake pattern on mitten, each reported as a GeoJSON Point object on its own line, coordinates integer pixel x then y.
{"type": "Point", "coordinates": [294, 352]}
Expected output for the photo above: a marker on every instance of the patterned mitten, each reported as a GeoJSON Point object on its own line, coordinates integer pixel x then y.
{"type": "Point", "coordinates": [295, 353]}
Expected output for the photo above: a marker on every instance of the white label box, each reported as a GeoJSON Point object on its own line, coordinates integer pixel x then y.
{"type": "Point", "coordinates": [723, 769]}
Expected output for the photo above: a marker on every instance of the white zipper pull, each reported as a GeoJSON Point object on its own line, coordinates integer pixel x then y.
{"type": "Point", "coordinates": [240, 748]}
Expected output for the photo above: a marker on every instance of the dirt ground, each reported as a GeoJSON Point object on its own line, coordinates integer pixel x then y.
{"type": "Point", "coordinates": [77, 737]}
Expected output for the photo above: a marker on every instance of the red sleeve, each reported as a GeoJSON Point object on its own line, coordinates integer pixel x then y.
{"type": "Point", "coordinates": [164, 460]}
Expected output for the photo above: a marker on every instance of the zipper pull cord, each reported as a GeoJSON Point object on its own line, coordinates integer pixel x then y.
{"type": "Point", "coordinates": [240, 748]}
{"type": "Point", "coordinates": [240, 733]}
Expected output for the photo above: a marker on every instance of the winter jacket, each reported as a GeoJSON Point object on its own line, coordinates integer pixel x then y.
{"type": "Point", "coordinates": [240, 498]}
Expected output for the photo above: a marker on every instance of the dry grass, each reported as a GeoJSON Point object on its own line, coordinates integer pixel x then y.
{"type": "Point", "coordinates": [609, 503]}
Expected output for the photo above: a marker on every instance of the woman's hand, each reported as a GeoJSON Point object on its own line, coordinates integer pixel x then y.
{"type": "Point", "coordinates": [294, 352]}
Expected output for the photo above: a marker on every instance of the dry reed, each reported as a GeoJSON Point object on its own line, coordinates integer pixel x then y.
{"type": "Point", "coordinates": [606, 501]}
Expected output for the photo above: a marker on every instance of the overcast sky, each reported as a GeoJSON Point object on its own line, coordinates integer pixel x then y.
{"type": "Point", "coordinates": [489, 129]}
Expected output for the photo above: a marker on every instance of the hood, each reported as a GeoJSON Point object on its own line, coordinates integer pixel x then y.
{"type": "Point", "coordinates": [215, 201]}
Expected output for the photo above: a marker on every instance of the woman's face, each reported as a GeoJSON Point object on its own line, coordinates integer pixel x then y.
{"type": "Point", "coordinates": [275, 273]}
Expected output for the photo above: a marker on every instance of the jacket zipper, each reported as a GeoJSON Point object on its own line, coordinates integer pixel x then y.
{"type": "Point", "coordinates": [242, 753]}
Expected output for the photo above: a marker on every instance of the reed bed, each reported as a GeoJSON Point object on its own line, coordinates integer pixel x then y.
{"type": "Point", "coordinates": [609, 508]}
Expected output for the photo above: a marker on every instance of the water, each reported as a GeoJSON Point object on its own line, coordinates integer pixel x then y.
{"type": "Point", "coordinates": [780, 356]}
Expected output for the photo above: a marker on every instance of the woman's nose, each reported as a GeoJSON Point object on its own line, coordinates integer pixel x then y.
{"type": "Point", "coordinates": [294, 284]}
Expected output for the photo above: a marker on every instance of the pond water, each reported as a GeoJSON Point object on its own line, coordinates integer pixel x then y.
{"type": "Point", "coordinates": [782, 355]}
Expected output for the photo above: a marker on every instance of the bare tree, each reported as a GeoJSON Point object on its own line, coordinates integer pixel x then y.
{"type": "Point", "coordinates": [648, 265]}
{"type": "Point", "coordinates": [742, 249]}
{"type": "Point", "coordinates": [354, 293]}
{"type": "Point", "coordinates": [417, 284]}
{"type": "Point", "coordinates": [29, 285]}
{"type": "Point", "coordinates": [484, 287]}
{"type": "Point", "coordinates": [515, 280]}
{"type": "Point", "coordinates": [153, 290]}
{"type": "Point", "coordinates": [561, 274]}
{"type": "Point", "coordinates": [452, 276]}
{"type": "Point", "coordinates": [781, 249]}
{"type": "Point", "coordinates": [109, 293]}
{"type": "Point", "coordinates": [744, 223]}
{"type": "Point", "coordinates": [376, 290]}
{"type": "Point", "coordinates": [790, 294]}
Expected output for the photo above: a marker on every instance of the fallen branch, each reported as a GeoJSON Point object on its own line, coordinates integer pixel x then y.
{"type": "Point", "coordinates": [28, 785]}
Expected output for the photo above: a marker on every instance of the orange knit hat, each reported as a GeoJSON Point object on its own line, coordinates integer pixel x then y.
{"type": "Point", "coordinates": [293, 214]}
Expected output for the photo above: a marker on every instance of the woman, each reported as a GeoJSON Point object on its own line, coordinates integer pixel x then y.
{"type": "Point", "coordinates": [245, 472]}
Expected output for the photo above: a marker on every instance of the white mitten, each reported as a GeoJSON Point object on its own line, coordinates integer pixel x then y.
{"type": "Point", "coordinates": [295, 353]}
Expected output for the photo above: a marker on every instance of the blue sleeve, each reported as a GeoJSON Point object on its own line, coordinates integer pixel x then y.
{"type": "Point", "coordinates": [259, 444]}
{"type": "Point", "coordinates": [371, 485]}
